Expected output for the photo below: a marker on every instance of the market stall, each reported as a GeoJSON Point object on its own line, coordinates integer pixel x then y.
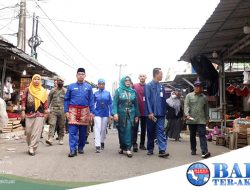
{"type": "Point", "coordinates": [16, 69]}
{"type": "Point", "coordinates": [225, 40]}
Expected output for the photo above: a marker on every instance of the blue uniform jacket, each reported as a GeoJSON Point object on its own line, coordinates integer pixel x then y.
{"type": "Point", "coordinates": [103, 103]}
{"type": "Point", "coordinates": [155, 97]}
{"type": "Point", "coordinates": [79, 94]}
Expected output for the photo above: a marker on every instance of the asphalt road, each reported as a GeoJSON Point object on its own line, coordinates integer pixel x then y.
{"type": "Point", "coordinates": [52, 162]}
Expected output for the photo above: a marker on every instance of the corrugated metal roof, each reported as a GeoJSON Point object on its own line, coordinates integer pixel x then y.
{"type": "Point", "coordinates": [7, 50]}
{"type": "Point", "coordinates": [223, 33]}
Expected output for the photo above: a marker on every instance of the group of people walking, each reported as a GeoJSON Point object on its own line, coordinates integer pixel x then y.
{"type": "Point", "coordinates": [133, 105]}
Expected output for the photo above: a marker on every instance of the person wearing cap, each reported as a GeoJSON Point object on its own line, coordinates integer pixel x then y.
{"type": "Point", "coordinates": [79, 109]}
{"type": "Point", "coordinates": [155, 104]}
{"type": "Point", "coordinates": [103, 110]}
{"type": "Point", "coordinates": [57, 115]}
{"type": "Point", "coordinates": [196, 113]}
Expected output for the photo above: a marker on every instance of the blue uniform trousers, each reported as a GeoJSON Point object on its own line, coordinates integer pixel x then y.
{"type": "Point", "coordinates": [77, 136]}
{"type": "Point", "coordinates": [158, 128]}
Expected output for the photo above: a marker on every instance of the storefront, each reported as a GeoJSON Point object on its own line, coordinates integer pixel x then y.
{"type": "Point", "coordinates": [16, 70]}
{"type": "Point", "coordinates": [225, 40]}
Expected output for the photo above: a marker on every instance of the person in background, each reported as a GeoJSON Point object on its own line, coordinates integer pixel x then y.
{"type": "Point", "coordinates": [196, 112]}
{"type": "Point", "coordinates": [139, 88]}
{"type": "Point", "coordinates": [155, 97]}
{"type": "Point", "coordinates": [3, 114]}
{"type": "Point", "coordinates": [126, 112]}
{"type": "Point", "coordinates": [103, 110]}
{"type": "Point", "coordinates": [56, 131]}
{"type": "Point", "coordinates": [174, 116]}
{"type": "Point", "coordinates": [57, 115]}
{"type": "Point", "coordinates": [79, 109]}
{"type": "Point", "coordinates": [34, 111]}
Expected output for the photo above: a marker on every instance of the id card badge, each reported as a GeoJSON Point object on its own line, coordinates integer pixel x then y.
{"type": "Point", "coordinates": [144, 99]}
{"type": "Point", "coordinates": [161, 94]}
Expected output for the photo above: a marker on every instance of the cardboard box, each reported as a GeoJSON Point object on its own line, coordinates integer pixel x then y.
{"type": "Point", "coordinates": [218, 140]}
{"type": "Point", "coordinates": [241, 125]}
{"type": "Point", "coordinates": [248, 136]}
{"type": "Point", "coordinates": [233, 142]}
{"type": "Point", "coordinates": [214, 114]}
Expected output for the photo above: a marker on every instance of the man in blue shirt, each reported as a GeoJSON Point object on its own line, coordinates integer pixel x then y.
{"type": "Point", "coordinates": [79, 109]}
{"type": "Point", "coordinates": [156, 110]}
{"type": "Point", "coordinates": [103, 110]}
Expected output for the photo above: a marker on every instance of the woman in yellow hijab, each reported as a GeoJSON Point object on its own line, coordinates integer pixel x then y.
{"type": "Point", "coordinates": [34, 110]}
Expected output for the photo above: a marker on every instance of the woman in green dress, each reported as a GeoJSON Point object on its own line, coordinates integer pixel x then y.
{"type": "Point", "coordinates": [126, 112]}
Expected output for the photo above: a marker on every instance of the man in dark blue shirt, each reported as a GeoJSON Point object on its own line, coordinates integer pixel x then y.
{"type": "Point", "coordinates": [156, 110]}
{"type": "Point", "coordinates": [79, 109]}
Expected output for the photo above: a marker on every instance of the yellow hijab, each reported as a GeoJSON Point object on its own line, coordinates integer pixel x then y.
{"type": "Point", "coordinates": [38, 92]}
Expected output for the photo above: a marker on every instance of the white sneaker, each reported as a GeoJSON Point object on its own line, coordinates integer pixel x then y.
{"type": "Point", "coordinates": [61, 142]}
{"type": "Point", "coordinates": [49, 141]}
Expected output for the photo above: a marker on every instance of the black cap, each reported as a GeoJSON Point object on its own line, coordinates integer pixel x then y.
{"type": "Point", "coordinates": [80, 70]}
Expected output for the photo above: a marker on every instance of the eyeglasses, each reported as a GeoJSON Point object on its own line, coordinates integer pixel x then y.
{"type": "Point", "coordinates": [127, 80]}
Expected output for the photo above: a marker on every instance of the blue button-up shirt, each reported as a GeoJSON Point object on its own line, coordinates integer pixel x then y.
{"type": "Point", "coordinates": [155, 97]}
{"type": "Point", "coordinates": [103, 103]}
{"type": "Point", "coordinates": [79, 94]}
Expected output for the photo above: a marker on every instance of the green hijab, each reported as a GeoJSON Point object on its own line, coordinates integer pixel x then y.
{"type": "Point", "coordinates": [124, 87]}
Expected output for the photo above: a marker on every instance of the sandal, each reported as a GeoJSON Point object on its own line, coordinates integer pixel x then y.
{"type": "Point", "coordinates": [129, 154]}
{"type": "Point", "coordinates": [120, 151]}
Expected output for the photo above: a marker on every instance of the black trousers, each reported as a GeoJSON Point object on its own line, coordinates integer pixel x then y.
{"type": "Point", "coordinates": [202, 135]}
{"type": "Point", "coordinates": [142, 121]}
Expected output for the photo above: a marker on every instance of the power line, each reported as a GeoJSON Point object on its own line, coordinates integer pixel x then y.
{"type": "Point", "coordinates": [124, 26]}
{"type": "Point", "coordinates": [7, 24]}
{"type": "Point", "coordinates": [8, 18]}
{"type": "Point", "coordinates": [9, 7]}
{"type": "Point", "coordinates": [58, 59]}
{"type": "Point", "coordinates": [57, 44]}
{"type": "Point", "coordinates": [67, 37]}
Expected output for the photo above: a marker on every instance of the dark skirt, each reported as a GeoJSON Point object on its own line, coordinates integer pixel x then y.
{"type": "Point", "coordinates": [174, 127]}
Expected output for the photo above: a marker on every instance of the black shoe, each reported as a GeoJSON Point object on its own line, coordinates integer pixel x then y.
{"type": "Point", "coordinates": [163, 154]}
{"type": "Point", "coordinates": [142, 147]}
{"type": "Point", "coordinates": [72, 154]}
{"type": "Point", "coordinates": [80, 151]}
{"type": "Point", "coordinates": [149, 153]}
{"type": "Point", "coordinates": [98, 149]}
{"type": "Point", "coordinates": [193, 152]}
{"type": "Point", "coordinates": [102, 146]}
{"type": "Point", "coordinates": [206, 155]}
{"type": "Point", "coordinates": [31, 153]}
{"type": "Point", "coordinates": [57, 138]}
{"type": "Point", "coordinates": [87, 142]}
{"type": "Point", "coordinates": [135, 148]}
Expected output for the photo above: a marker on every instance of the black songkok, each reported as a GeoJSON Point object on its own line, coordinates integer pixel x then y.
{"type": "Point", "coordinates": [80, 70]}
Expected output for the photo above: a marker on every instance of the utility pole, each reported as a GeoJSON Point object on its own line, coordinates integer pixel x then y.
{"type": "Point", "coordinates": [33, 35]}
{"type": "Point", "coordinates": [120, 69]}
{"type": "Point", "coordinates": [35, 40]}
{"type": "Point", "coordinates": [21, 36]}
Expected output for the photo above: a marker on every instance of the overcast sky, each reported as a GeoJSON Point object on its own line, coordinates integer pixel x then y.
{"type": "Point", "coordinates": [142, 34]}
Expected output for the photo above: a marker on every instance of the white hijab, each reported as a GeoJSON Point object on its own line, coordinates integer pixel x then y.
{"type": "Point", "coordinates": [174, 102]}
